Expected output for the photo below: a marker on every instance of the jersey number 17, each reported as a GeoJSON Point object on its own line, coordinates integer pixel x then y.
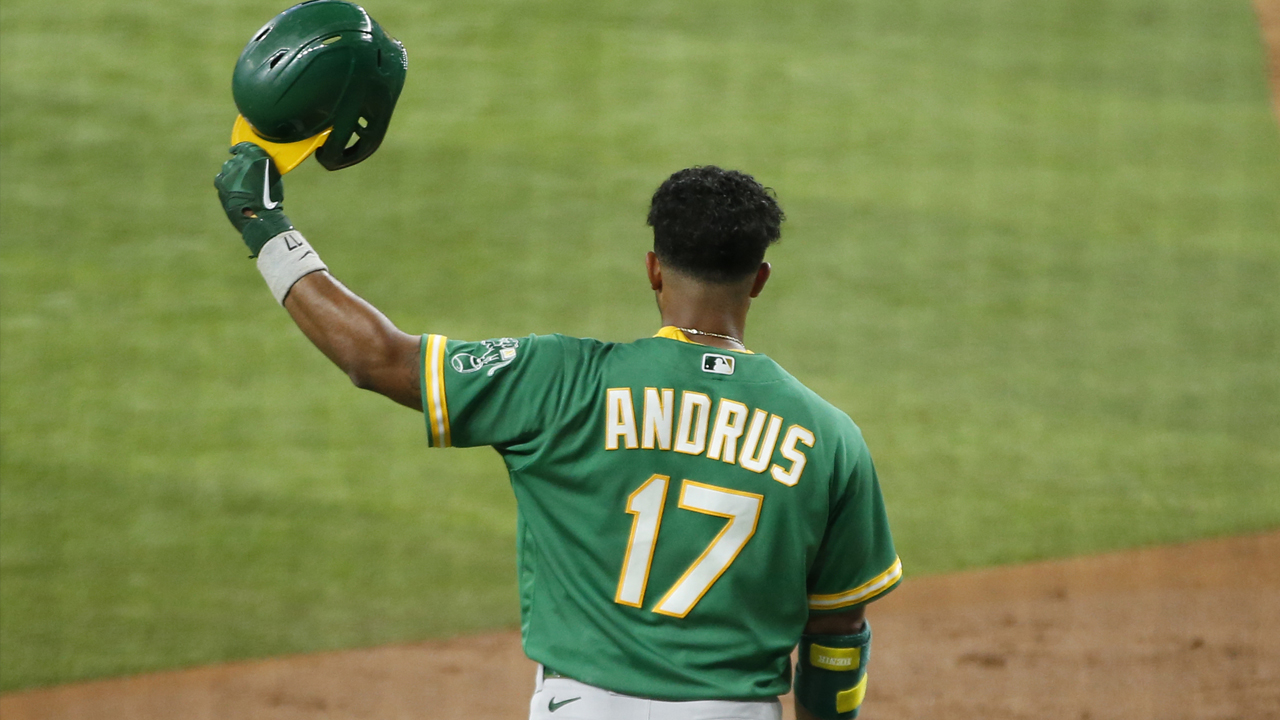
{"type": "Point", "coordinates": [741, 509]}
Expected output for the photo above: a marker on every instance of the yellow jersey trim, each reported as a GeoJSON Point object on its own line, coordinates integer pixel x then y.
{"type": "Point", "coordinates": [862, 593]}
{"type": "Point", "coordinates": [436, 405]}
{"type": "Point", "coordinates": [672, 332]}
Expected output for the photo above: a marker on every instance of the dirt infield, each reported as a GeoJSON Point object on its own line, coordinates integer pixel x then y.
{"type": "Point", "coordinates": [1190, 631]}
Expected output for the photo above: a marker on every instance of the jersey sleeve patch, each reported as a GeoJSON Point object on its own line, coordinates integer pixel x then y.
{"type": "Point", "coordinates": [435, 406]}
{"type": "Point", "coordinates": [865, 592]}
{"type": "Point", "coordinates": [491, 354]}
{"type": "Point", "coordinates": [500, 392]}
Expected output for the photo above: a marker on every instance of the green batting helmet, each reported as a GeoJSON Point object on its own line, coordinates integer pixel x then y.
{"type": "Point", "coordinates": [315, 77]}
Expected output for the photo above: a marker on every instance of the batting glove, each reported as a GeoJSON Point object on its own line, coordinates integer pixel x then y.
{"type": "Point", "coordinates": [251, 192]}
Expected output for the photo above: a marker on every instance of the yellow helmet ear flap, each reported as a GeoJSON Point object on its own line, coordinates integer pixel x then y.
{"type": "Point", "coordinates": [287, 156]}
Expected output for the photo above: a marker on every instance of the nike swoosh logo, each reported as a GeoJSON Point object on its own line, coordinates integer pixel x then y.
{"type": "Point", "coordinates": [266, 189]}
{"type": "Point", "coordinates": [554, 706]}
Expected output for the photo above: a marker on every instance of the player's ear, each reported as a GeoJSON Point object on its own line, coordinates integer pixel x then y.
{"type": "Point", "coordinates": [762, 277]}
{"type": "Point", "coordinates": [653, 267]}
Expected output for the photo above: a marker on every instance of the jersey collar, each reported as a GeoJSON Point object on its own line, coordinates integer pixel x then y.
{"type": "Point", "coordinates": [672, 332]}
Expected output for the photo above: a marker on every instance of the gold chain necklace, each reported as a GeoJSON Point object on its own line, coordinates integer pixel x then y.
{"type": "Point", "coordinates": [730, 338]}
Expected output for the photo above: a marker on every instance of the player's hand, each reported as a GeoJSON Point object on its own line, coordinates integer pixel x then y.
{"type": "Point", "coordinates": [252, 192]}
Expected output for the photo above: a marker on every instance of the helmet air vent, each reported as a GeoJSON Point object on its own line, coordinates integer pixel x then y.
{"type": "Point", "coordinates": [275, 59]}
{"type": "Point", "coordinates": [331, 40]}
{"type": "Point", "coordinates": [262, 33]}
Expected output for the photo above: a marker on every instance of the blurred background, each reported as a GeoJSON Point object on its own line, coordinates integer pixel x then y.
{"type": "Point", "coordinates": [1032, 249]}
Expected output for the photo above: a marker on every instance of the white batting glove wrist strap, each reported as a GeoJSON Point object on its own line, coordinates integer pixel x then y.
{"type": "Point", "coordinates": [286, 259]}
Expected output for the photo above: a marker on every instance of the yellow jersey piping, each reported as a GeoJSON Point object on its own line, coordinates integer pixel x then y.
{"type": "Point", "coordinates": [863, 593]}
{"type": "Point", "coordinates": [672, 332]}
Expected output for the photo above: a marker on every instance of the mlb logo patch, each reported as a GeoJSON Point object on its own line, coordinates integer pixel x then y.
{"type": "Point", "coordinates": [718, 364]}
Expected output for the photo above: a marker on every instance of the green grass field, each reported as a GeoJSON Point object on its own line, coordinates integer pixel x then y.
{"type": "Point", "coordinates": [1032, 249]}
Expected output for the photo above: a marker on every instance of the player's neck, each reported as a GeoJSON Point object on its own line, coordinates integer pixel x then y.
{"type": "Point", "coordinates": [715, 318]}
{"type": "Point", "coordinates": [715, 312]}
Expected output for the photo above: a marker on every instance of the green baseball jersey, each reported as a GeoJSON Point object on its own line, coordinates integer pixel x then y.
{"type": "Point", "coordinates": [682, 510]}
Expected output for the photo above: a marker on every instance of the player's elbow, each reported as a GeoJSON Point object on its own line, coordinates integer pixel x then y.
{"type": "Point", "coordinates": [362, 378]}
{"type": "Point", "coordinates": [387, 368]}
{"type": "Point", "coordinates": [362, 359]}
{"type": "Point", "coordinates": [369, 371]}
{"type": "Point", "coordinates": [390, 382]}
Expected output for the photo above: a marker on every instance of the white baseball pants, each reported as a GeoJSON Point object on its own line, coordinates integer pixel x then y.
{"type": "Point", "coordinates": [565, 699]}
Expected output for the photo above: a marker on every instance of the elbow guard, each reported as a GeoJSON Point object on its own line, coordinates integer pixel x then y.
{"type": "Point", "coordinates": [831, 674]}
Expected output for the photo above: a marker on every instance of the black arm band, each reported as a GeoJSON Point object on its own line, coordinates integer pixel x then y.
{"type": "Point", "coordinates": [831, 674]}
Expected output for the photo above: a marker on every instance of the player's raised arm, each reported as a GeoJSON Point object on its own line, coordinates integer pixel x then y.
{"type": "Point", "coordinates": [358, 338]}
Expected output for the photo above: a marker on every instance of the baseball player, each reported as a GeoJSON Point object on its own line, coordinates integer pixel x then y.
{"type": "Point", "coordinates": [687, 511]}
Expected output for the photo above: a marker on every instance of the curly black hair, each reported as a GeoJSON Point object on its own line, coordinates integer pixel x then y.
{"type": "Point", "coordinates": [714, 224]}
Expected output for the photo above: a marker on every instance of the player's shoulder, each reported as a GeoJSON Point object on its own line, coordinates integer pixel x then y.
{"type": "Point", "coordinates": [836, 432]}
{"type": "Point", "coordinates": [581, 356]}
{"type": "Point", "coordinates": [766, 369]}
{"type": "Point", "coordinates": [550, 343]}
{"type": "Point", "coordinates": [572, 351]}
{"type": "Point", "coordinates": [835, 418]}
